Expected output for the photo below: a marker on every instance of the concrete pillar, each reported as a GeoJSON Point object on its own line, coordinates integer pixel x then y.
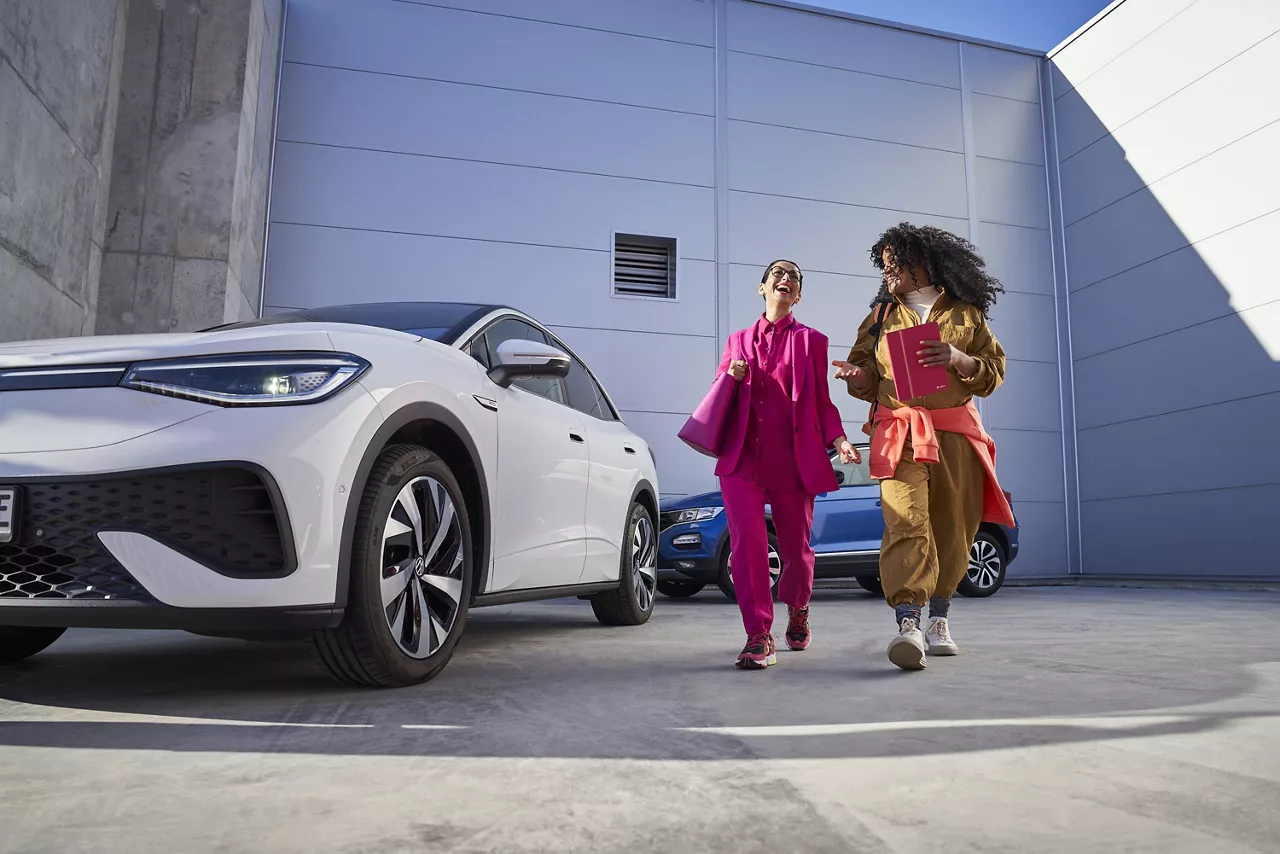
{"type": "Point", "coordinates": [59, 86]}
{"type": "Point", "coordinates": [187, 204]}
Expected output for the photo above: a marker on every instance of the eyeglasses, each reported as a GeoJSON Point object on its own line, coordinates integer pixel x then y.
{"type": "Point", "coordinates": [783, 273]}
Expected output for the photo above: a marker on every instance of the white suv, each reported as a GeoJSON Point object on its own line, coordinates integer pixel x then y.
{"type": "Point", "coordinates": [360, 475]}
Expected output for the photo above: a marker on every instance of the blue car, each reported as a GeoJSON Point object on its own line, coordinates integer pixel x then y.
{"type": "Point", "coordinates": [693, 547]}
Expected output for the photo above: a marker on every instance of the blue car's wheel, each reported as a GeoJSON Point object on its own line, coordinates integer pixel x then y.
{"type": "Point", "coordinates": [725, 580]}
{"type": "Point", "coordinates": [985, 574]}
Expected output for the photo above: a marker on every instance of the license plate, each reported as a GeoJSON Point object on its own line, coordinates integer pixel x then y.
{"type": "Point", "coordinates": [8, 514]}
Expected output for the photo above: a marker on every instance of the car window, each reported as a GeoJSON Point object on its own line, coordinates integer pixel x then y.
{"type": "Point", "coordinates": [854, 474]}
{"type": "Point", "coordinates": [479, 351]}
{"type": "Point", "coordinates": [511, 329]}
{"type": "Point", "coordinates": [582, 391]}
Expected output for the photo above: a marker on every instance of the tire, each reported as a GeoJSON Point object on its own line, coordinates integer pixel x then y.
{"type": "Point", "coordinates": [631, 602]}
{"type": "Point", "coordinates": [870, 583]}
{"type": "Point", "coordinates": [987, 566]}
{"type": "Point", "coordinates": [725, 579]}
{"type": "Point", "coordinates": [383, 640]}
{"type": "Point", "coordinates": [680, 589]}
{"type": "Point", "coordinates": [19, 642]}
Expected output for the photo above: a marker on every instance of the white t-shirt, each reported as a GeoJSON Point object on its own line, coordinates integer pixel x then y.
{"type": "Point", "coordinates": [922, 301]}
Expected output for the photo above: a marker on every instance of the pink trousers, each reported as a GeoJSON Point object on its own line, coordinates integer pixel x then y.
{"type": "Point", "coordinates": [744, 502]}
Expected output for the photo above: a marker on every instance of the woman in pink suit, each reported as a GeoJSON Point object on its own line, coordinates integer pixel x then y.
{"type": "Point", "coordinates": [775, 451]}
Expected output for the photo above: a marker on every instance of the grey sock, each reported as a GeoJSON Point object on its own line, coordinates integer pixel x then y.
{"type": "Point", "coordinates": [938, 607]}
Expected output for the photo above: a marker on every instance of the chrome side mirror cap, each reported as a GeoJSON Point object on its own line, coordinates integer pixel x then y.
{"type": "Point", "coordinates": [519, 359]}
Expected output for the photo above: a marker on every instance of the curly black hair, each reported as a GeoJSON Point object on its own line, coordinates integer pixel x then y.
{"type": "Point", "coordinates": [951, 262]}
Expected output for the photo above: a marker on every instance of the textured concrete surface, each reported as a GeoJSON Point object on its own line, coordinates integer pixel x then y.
{"type": "Point", "coordinates": [1076, 720]}
{"type": "Point", "coordinates": [186, 192]}
{"type": "Point", "coordinates": [59, 73]}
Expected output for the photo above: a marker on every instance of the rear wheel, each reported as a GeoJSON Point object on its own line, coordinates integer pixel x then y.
{"type": "Point", "coordinates": [871, 584]}
{"type": "Point", "coordinates": [987, 565]}
{"type": "Point", "coordinates": [725, 579]}
{"type": "Point", "coordinates": [19, 642]}
{"type": "Point", "coordinates": [411, 575]}
{"type": "Point", "coordinates": [680, 589]}
{"type": "Point", "coordinates": [631, 602]}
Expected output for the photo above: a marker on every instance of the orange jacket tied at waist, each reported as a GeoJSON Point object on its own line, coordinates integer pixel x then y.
{"type": "Point", "coordinates": [888, 442]}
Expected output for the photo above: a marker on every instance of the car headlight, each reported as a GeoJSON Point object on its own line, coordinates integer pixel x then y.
{"type": "Point", "coordinates": [698, 514]}
{"type": "Point", "coordinates": [273, 379]}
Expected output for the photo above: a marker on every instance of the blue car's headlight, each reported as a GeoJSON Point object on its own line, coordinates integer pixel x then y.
{"type": "Point", "coordinates": [697, 514]}
{"type": "Point", "coordinates": [272, 379]}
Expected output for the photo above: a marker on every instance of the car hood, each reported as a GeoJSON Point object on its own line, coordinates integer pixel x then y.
{"type": "Point", "coordinates": [117, 349]}
{"type": "Point", "coordinates": [689, 502]}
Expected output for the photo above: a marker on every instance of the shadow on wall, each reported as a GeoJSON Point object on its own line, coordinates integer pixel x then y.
{"type": "Point", "coordinates": [1175, 336]}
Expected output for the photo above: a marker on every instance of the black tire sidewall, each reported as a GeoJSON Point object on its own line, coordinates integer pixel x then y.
{"type": "Point", "coordinates": [414, 462]}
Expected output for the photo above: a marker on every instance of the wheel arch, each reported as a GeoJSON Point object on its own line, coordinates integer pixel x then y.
{"type": "Point", "coordinates": [998, 534]}
{"type": "Point", "coordinates": [434, 427]}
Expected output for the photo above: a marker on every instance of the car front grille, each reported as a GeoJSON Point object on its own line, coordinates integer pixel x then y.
{"type": "Point", "coordinates": [222, 517]}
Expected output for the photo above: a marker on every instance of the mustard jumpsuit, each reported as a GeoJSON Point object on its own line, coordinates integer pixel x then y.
{"type": "Point", "coordinates": [931, 511]}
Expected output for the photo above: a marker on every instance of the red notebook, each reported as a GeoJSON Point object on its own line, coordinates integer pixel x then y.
{"type": "Point", "coordinates": [910, 378]}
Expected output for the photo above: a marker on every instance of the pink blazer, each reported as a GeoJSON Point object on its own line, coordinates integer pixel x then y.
{"type": "Point", "coordinates": [816, 418]}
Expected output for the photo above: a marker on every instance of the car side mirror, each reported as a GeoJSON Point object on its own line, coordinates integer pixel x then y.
{"type": "Point", "coordinates": [519, 359]}
{"type": "Point", "coordinates": [839, 477]}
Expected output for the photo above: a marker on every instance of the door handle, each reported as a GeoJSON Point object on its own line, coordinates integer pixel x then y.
{"type": "Point", "coordinates": [877, 502]}
{"type": "Point", "coordinates": [577, 437]}
{"type": "Point", "coordinates": [629, 449]}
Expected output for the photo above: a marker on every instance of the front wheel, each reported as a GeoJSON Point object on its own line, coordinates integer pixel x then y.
{"type": "Point", "coordinates": [411, 575]}
{"type": "Point", "coordinates": [725, 579]}
{"type": "Point", "coordinates": [987, 566]}
{"type": "Point", "coordinates": [19, 642]}
{"type": "Point", "coordinates": [631, 602]}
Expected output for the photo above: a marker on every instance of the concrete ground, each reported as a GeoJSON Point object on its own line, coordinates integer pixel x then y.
{"type": "Point", "coordinates": [1076, 720]}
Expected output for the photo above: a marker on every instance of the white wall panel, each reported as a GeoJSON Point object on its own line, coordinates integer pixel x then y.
{"type": "Point", "coordinates": [1205, 364]}
{"type": "Point", "coordinates": [1230, 187]}
{"type": "Point", "coordinates": [1198, 534]}
{"type": "Point", "coordinates": [1002, 73]}
{"type": "Point", "coordinates": [447, 44]}
{"type": "Point", "coordinates": [1028, 399]}
{"type": "Point", "coordinates": [449, 198]}
{"type": "Point", "coordinates": [822, 236]}
{"type": "Point", "coordinates": [671, 20]}
{"type": "Point", "coordinates": [1125, 26]}
{"type": "Point", "coordinates": [1012, 193]}
{"type": "Point", "coordinates": [809, 165]}
{"type": "Point", "coordinates": [310, 266]}
{"type": "Point", "coordinates": [647, 371]}
{"type": "Point", "coordinates": [1026, 327]}
{"type": "Point", "coordinates": [1171, 58]}
{"type": "Point", "coordinates": [1021, 258]}
{"type": "Point", "coordinates": [1007, 130]}
{"type": "Point", "coordinates": [813, 97]}
{"type": "Point", "coordinates": [347, 108]}
{"type": "Point", "coordinates": [681, 470]}
{"type": "Point", "coordinates": [1029, 464]}
{"type": "Point", "coordinates": [1191, 124]}
{"type": "Point", "coordinates": [1187, 285]}
{"type": "Point", "coordinates": [1178, 452]}
{"type": "Point", "coordinates": [1042, 533]}
{"type": "Point", "coordinates": [854, 46]}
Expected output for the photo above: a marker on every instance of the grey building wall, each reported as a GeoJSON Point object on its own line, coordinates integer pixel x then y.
{"type": "Point", "coordinates": [59, 75]}
{"type": "Point", "coordinates": [406, 169]}
{"type": "Point", "coordinates": [1168, 127]}
{"type": "Point", "coordinates": [192, 156]}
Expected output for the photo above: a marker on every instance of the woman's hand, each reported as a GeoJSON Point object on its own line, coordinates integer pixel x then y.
{"type": "Point", "coordinates": [851, 374]}
{"type": "Point", "coordinates": [942, 353]}
{"type": "Point", "coordinates": [738, 369]}
{"type": "Point", "coordinates": [848, 453]}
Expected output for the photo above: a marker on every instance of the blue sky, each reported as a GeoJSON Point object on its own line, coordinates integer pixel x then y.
{"type": "Point", "coordinates": [1039, 24]}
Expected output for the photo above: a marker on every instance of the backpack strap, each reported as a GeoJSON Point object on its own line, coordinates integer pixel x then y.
{"type": "Point", "coordinates": [876, 329]}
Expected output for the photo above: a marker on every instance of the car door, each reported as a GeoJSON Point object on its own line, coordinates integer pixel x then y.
{"type": "Point", "coordinates": [613, 467]}
{"type": "Point", "coordinates": [539, 529]}
{"type": "Point", "coordinates": [849, 521]}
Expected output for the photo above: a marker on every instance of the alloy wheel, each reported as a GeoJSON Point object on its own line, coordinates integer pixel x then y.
{"type": "Point", "coordinates": [422, 557]}
{"type": "Point", "coordinates": [644, 562]}
{"type": "Point", "coordinates": [984, 565]}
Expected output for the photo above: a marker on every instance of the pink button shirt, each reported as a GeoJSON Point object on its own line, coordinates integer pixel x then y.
{"type": "Point", "coordinates": [768, 455]}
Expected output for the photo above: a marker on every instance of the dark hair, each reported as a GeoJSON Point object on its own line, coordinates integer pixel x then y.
{"type": "Point", "coordinates": [799, 272]}
{"type": "Point", "coordinates": [951, 262]}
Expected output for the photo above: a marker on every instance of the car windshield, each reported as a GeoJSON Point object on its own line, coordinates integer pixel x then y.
{"type": "Point", "coordinates": [435, 320]}
{"type": "Point", "coordinates": [854, 474]}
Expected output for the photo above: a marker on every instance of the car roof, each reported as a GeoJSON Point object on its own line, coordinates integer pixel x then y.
{"type": "Point", "coordinates": [448, 319]}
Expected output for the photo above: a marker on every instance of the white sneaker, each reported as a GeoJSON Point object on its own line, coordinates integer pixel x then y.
{"type": "Point", "coordinates": [907, 649]}
{"type": "Point", "coordinates": [939, 638]}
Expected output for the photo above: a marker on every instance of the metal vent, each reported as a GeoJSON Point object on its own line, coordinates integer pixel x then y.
{"type": "Point", "coordinates": [644, 266]}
